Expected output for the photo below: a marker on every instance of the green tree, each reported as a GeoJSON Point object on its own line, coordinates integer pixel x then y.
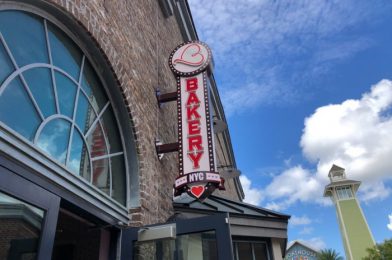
{"type": "Point", "coordinates": [382, 251]}
{"type": "Point", "coordinates": [329, 254]}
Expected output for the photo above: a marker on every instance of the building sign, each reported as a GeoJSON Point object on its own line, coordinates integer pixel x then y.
{"type": "Point", "coordinates": [197, 170]}
{"type": "Point", "coordinates": [298, 251]}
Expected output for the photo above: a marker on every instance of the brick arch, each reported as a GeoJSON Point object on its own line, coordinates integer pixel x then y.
{"type": "Point", "coordinates": [114, 72]}
{"type": "Point", "coordinates": [117, 46]}
{"type": "Point", "coordinates": [107, 52]}
{"type": "Point", "coordinates": [109, 67]}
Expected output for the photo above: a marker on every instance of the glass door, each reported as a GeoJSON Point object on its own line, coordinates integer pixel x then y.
{"type": "Point", "coordinates": [28, 216]}
{"type": "Point", "coordinates": [204, 238]}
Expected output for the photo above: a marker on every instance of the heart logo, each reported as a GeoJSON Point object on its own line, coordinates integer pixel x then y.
{"type": "Point", "coordinates": [197, 191]}
{"type": "Point", "coordinates": [191, 56]}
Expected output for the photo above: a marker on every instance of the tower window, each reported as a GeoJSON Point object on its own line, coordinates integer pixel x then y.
{"type": "Point", "coordinates": [344, 192]}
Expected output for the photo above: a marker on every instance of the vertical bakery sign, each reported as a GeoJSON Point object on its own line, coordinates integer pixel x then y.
{"type": "Point", "coordinates": [197, 169]}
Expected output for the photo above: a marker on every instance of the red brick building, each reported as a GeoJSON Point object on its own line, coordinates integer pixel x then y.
{"type": "Point", "coordinates": [80, 177]}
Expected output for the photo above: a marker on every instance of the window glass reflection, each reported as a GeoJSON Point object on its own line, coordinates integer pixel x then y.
{"type": "Point", "coordinates": [85, 115]}
{"type": "Point", "coordinates": [25, 36]}
{"type": "Point", "coordinates": [20, 228]}
{"type": "Point", "coordinates": [254, 250]}
{"type": "Point", "coordinates": [201, 246]}
{"type": "Point", "coordinates": [155, 250]}
{"type": "Point", "coordinates": [96, 141]}
{"type": "Point", "coordinates": [119, 180]}
{"type": "Point", "coordinates": [23, 118]}
{"type": "Point", "coordinates": [65, 54]}
{"type": "Point", "coordinates": [55, 97]}
{"type": "Point", "coordinates": [79, 161]}
{"type": "Point", "coordinates": [260, 250]}
{"type": "Point", "coordinates": [6, 67]}
{"type": "Point", "coordinates": [111, 130]}
{"type": "Point", "coordinates": [244, 251]}
{"type": "Point", "coordinates": [197, 246]}
{"type": "Point", "coordinates": [54, 139]}
{"type": "Point", "coordinates": [93, 87]}
{"type": "Point", "coordinates": [39, 81]}
{"type": "Point", "coordinates": [101, 178]}
{"type": "Point", "coordinates": [66, 92]}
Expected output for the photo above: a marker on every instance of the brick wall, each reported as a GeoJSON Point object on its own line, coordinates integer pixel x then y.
{"type": "Point", "coordinates": [14, 229]}
{"type": "Point", "coordinates": [136, 40]}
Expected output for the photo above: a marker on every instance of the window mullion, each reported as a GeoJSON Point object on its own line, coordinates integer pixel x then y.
{"type": "Point", "coordinates": [51, 68]}
{"type": "Point", "coordinates": [268, 251]}
{"type": "Point", "coordinates": [110, 177]}
{"type": "Point", "coordinates": [107, 151]}
{"type": "Point", "coordinates": [236, 250]}
{"type": "Point", "coordinates": [32, 97]}
{"type": "Point", "coordinates": [97, 119]}
{"type": "Point", "coordinates": [74, 114]}
{"type": "Point", "coordinates": [107, 156]}
{"type": "Point", "coordinates": [26, 87]}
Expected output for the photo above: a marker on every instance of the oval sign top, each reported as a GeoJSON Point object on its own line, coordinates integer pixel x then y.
{"type": "Point", "coordinates": [190, 58]}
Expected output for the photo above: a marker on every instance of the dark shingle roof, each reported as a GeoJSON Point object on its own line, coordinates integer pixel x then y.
{"type": "Point", "coordinates": [218, 204]}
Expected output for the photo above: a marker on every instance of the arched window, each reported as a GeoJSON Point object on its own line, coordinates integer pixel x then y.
{"type": "Point", "coordinates": [51, 96]}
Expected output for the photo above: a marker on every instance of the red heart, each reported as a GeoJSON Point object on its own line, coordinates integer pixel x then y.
{"type": "Point", "coordinates": [191, 55]}
{"type": "Point", "coordinates": [197, 191]}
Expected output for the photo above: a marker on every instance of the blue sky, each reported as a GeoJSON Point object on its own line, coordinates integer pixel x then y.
{"type": "Point", "coordinates": [306, 84]}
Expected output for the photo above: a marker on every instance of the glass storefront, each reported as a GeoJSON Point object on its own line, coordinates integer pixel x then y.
{"type": "Point", "coordinates": [20, 231]}
{"type": "Point", "coordinates": [200, 246]}
{"type": "Point", "coordinates": [249, 250]}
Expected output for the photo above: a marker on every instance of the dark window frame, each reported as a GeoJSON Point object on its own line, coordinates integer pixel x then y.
{"type": "Point", "coordinates": [23, 189]}
{"type": "Point", "coordinates": [23, 151]}
{"type": "Point", "coordinates": [252, 241]}
{"type": "Point", "coordinates": [218, 223]}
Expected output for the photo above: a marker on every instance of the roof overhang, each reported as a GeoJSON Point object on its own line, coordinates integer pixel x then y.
{"type": "Point", "coordinates": [245, 220]}
{"type": "Point", "coordinates": [328, 189]}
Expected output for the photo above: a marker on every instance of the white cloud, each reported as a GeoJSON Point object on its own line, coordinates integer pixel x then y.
{"type": "Point", "coordinates": [355, 135]}
{"type": "Point", "coordinates": [296, 40]}
{"type": "Point", "coordinates": [296, 221]}
{"type": "Point", "coordinates": [227, 23]}
{"type": "Point", "coordinates": [306, 231]}
{"type": "Point", "coordinates": [276, 206]}
{"type": "Point", "coordinates": [241, 99]}
{"type": "Point", "coordinates": [341, 51]}
{"type": "Point", "coordinates": [315, 242]}
{"type": "Point", "coordinates": [371, 191]}
{"type": "Point", "coordinates": [295, 184]}
{"type": "Point", "coordinates": [389, 226]}
{"type": "Point", "coordinates": [252, 195]}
